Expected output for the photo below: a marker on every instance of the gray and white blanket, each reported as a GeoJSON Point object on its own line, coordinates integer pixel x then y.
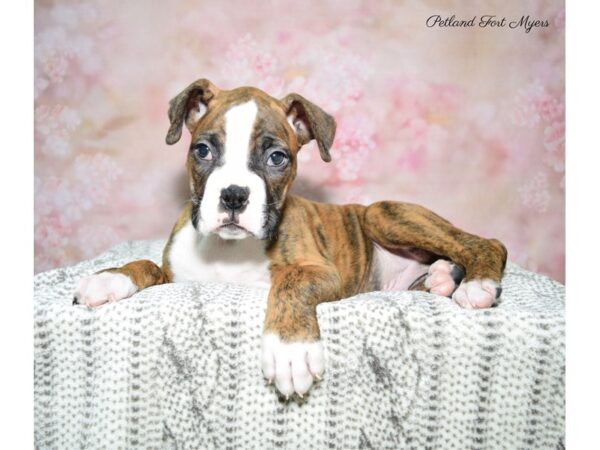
{"type": "Point", "coordinates": [178, 366]}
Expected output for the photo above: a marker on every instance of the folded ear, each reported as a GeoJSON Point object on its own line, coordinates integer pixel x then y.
{"type": "Point", "coordinates": [310, 122]}
{"type": "Point", "coordinates": [189, 106]}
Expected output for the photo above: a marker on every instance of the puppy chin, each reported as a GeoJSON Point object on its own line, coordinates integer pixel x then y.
{"type": "Point", "coordinates": [232, 232]}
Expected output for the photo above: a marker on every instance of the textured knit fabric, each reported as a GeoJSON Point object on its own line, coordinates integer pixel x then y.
{"type": "Point", "coordinates": [177, 366]}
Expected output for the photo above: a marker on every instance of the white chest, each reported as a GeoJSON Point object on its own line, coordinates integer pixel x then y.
{"type": "Point", "coordinates": [196, 257]}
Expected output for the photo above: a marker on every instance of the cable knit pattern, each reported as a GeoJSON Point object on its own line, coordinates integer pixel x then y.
{"type": "Point", "coordinates": [177, 366]}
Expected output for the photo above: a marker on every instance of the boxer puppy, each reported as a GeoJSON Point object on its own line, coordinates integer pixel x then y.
{"type": "Point", "coordinates": [242, 225]}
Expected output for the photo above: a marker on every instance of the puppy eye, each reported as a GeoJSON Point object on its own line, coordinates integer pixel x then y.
{"type": "Point", "coordinates": [203, 152]}
{"type": "Point", "coordinates": [277, 159]}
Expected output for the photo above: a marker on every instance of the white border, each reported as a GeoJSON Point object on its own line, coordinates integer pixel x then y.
{"type": "Point", "coordinates": [16, 260]}
{"type": "Point", "coordinates": [583, 225]}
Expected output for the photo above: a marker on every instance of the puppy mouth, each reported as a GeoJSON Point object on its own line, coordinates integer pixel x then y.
{"type": "Point", "coordinates": [233, 229]}
{"type": "Point", "coordinates": [231, 226]}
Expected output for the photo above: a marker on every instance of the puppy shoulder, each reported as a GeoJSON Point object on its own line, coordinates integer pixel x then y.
{"type": "Point", "coordinates": [295, 212]}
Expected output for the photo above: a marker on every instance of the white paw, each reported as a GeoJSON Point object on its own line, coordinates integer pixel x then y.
{"type": "Point", "coordinates": [95, 290]}
{"type": "Point", "coordinates": [476, 294]}
{"type": "Point", "coordinates": [291, 365]}
{"type": "Point", "coordinates": [442, 277]}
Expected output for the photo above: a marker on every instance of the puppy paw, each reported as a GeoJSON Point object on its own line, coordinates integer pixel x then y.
{"type": "Point", "coordinates": [443, 277]}
{"type": "Point", "coordinates": [105, 287]}
{"type": "Point", "coordinates": [292, 365]}
{"type": "Point", "coordinates": [477, 294]}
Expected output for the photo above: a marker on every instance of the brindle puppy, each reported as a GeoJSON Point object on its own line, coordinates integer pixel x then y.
{"type": "Point", "coordinates": [241, 225]}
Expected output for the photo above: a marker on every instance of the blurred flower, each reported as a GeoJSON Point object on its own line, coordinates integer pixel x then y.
{"type": "Point", "coordinates": [338, 77]}
{"type": "Point", "coordinates": [69, 119]}
{"type": "Point", "coordinates": [246, 64]}
{"type": "Point", "coordinates": [535, 194]}
{"type": "Point", "coordinates": [554, 142]}
{"type": "Point", "coordinates": [53, 127]}
{"type": "Point", "coordinates": [533, 104]}
{"type": "Point", "coordinates": [56, 146]}
{"type": "Point", "coordinates": [75, 15]}
{"type": "Point", "coordinates": [524, 109]}
{"type": "Point", "coordinates": [55, 66]}
{"type": "Point", "coordinates": [549, 108]}
{"type": "Point", "coordinates": [39, 85]}
{"type": "Point", "coordinates": [353, 146]}
{"type": "Point", "coordinates": [95, 176]}
{"type": "Point", "coordinates": [554, 137]}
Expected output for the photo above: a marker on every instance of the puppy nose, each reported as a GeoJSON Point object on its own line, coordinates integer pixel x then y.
{"type": "Point", "coordinates": [234, 197]}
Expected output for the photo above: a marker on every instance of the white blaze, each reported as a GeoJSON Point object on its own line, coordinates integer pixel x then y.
{"type": "Point", "coordinates": [239, 124]}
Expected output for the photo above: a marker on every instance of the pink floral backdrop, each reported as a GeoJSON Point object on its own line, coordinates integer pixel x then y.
{"type": "Point", "coordinates": [466, 121]}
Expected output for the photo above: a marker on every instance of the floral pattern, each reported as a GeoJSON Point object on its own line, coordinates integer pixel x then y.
{"type": "Point", "coordinates": [468, 122]}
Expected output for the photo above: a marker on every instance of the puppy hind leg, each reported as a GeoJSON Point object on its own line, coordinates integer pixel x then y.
{"type": "Point", "coordinates": [443, 277]}
{"type": "Point", "coordinates": [398, 226]}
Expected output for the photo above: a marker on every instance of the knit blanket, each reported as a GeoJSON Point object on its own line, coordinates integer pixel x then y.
{"type": "Point", "coordinates": [177, 366]}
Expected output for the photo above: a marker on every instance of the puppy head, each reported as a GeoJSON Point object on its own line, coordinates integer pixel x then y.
{"type": "Point", "coordinates": [242, 157]}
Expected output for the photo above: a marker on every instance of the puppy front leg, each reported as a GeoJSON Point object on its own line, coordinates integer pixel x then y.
{"type": "Point", "coordinates": [117, 283]}
{"type": "Point", "coordinates": [292, 353]}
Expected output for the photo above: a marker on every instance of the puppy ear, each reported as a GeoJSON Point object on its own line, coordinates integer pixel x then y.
{"type": "Point", "coordinates": [310, 122]}
{"type": "Point", "coordinates": [189, 106]}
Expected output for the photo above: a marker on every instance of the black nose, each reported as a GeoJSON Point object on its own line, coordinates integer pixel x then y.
{"type": "Point", "coordinates": [235, 198]}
